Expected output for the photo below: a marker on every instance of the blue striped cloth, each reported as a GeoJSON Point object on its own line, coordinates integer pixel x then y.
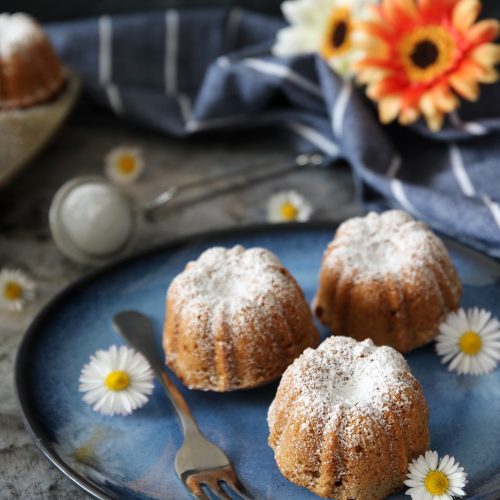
{"type": "Point", "coordinates": [186, 72]}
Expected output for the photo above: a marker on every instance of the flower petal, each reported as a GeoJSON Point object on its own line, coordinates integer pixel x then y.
{"type": "Point", "coordinates": [465, 14]}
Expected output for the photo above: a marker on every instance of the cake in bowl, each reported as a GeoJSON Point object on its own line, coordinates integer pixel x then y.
{"type": "Point", "coordinates": [30, 71]}
{"type": "Point", "coordinates": [386, 277]}
{"type": "Point", "coordinates": [347, 419]}
{"type": "Point", "coordinates": [236, 318]}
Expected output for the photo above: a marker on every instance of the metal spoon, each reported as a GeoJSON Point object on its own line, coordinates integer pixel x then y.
{"type": "Point", "coordinates": [93, 222]}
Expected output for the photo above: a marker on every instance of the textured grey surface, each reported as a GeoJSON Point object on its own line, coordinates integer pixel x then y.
{"type": "Point", "coordinates": [25, 240]}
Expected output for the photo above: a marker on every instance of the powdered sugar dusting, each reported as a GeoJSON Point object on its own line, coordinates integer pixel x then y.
{"type": "Point", "coordinates": [346, 419]}
{"type": "Point", "coordinates": [235, 318]}
{"type": "Point", "coordinates": [381, 244]}
{"type": "Point", "coordinates": [16, 30]}
{"type": "Point", "coordinates": [344, 374]}
{"type": "Point", "coordinates": [235, 281]}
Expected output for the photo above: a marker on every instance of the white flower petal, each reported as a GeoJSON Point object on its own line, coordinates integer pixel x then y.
{"type": "Point", "coordinates": [277, 201]}
{"type": "Point", "coordinates": [413, 483]}
{"type": "Point", "coordinates": [456, 362]}
{"type": "Point", "coordinates": [421, 465]}
{"type": "Point", "coordinates": [124, 164]}
{"type": "Point", "coordinates": [431, 458]}
{"type": "Point", "coordinates": [311, 24]}
{"type": "Point", "coordinates": [480, 320]}
{"type": "Point", "coordinates": [449, 356]}
{"type": "Point", "coordinates": [416, 493]}
{"type": "Point", "coordinates": [493, 327]}
{"type": "Point", "coordinates": [108, 402]}
{"type": "Point", "coordinates": [25, 292]}
{"type": "Point", "coordinates": [302, 12]}
{"type": "Point", "coordinates": [428, 462]}
{"type": "Point", "coordinates": [444, 462]}
{"type": "Point", "coordinates": [448, 330]}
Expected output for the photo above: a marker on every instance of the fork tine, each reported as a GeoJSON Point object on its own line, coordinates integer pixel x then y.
{"type": "Point", "coordinates": [238, 488]}
{"type": "Point", "coordinates": [217, 490]}
{"type": "Point", "coordinates": [194, 488]}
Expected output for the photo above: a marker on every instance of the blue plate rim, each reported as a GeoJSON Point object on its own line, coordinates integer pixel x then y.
{"type": "Point", "coordinates": [21, 386]}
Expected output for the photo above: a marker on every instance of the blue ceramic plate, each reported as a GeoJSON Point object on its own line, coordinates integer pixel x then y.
{"type": "Point", "coordinates": [133, 457]}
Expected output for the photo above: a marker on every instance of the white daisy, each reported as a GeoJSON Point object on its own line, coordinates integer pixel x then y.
{"type": "Point", "coordinates": [471, 340]}
{"type": "Point", "coordinates": [16, 288]}
{"type": "Point", "coordinates": [324, 26]}
{"type": "Point", "coordinates": [288, 206]}
{"type": "Point", "coordinates": [430, 478]}
{"type": "Point", "coordinates": [116, 381]}
{"type": "Point", "coordinates": [124, 164]}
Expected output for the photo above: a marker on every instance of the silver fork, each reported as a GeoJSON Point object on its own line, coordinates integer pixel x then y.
{"type": "Point", "coordinates": [199, 462]}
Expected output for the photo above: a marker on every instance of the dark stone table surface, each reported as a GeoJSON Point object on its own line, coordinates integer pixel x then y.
{"type": "Point", "coordinates": [79, 149]}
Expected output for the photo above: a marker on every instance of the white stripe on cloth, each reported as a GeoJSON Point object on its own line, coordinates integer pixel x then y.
{"type": "Point", "coordinates": [399, 194]}
{"type": "Point", "coordinates": [171, 46]}
{"type": "Point", "coordinates": [493, 207]}
{"type": "Point", "coordinates": [459, 171]}
{"type": "Point", "coordinates": [306, 132]}
{"type": "Point", "coordinates": [280, 71]}
{"type": "Point", "coordinates": [106, 64]}
{"type": "Point", "coordinates": [171, 64]}
{"type": "Point", "coordinates": [314, 137]}
{"type": "Point", "coordinates": [186, 108]}
{"type": "Point", "coordinates": [472, 128]}
{"type": "Point", "coordinates": [233, 24]}
{"type": "Point", "coordinates": [223, 62]}
{"type": "Point", "coordinates": [466, 185]}
{"type": "Point", "coordinates": [394, 167]}
{"type": "Point", "coordinates": [397, 188]}
{"type": "Point", "coordinates": [340, 109]}
{"type": "Point", "coordinates": [114, 98]}
{"type": "Point", "coordinates": [194, 125]}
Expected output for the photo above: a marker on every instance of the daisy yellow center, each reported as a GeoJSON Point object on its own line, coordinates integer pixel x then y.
{"type": "Point", "coordinates": [436, 483]}
{"type": "Point", "coordinates": [427, 52]}
{"type": "Point", "coordinates": [289, 211]}
{"type": "Point", "coordinates": [470, 343]}
{"type": "Point", "coordinates": [117, 380]}
{"type": "Point", "coordinates": [337, 39]}
{"type": "Point", "coordinates": [12, 290]}
{"type": "Point", "coordinates": [126, 163]}
{"type": "Point", "coordinates": [83, 454]}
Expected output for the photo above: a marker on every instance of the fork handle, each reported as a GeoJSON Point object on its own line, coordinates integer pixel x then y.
{"type": "Point", "coordinates": [135, 328]}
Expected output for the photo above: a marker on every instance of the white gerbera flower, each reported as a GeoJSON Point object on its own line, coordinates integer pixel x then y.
{"type": "Point", "coordinates": [429, 479]}
{"type": "Point", "coordinates": [16, 288]}
{"type": "Point", "coordinates": [471, 340]}
{"type": "Point", "coordinates": [124, 164]}
{"type": "Point", "coordinates": [288, 206]}
{"type": "Point", "coordinates": [116, 381]}
{"type": "Point", "coordinates": [323, 26]}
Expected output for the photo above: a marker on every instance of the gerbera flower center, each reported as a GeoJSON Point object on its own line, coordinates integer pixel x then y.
{"type": "Point", "coordinates": [117, 380]}
{"type": "Point", "coordinates": [338, 34]}
{"type": "Point", "coordinates": [289, 211]}
{"type": "Point", "coordinates": [470, 343]}
{"type": "Point", "coordinates": [126, 163]}
{"type": "Point", "coordinates": [427, 52]}
{"type": "Point", "coordinates": [12, 290]}
{"type": "Point", "coordinates": [436, 483]}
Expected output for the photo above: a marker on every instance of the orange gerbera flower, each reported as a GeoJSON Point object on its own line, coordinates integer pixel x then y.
{"type": "Point", "coordinates": [421, 55]}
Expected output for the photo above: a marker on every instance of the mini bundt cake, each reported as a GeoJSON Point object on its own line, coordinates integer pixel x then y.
{"type": "Point", "coordinates": [389, 278]}
{"type": "Point", "coordinates": [235, 319]}
{"type": "Point", "coordinates": [30, 72]}
{"type": "Point", "coordinates": [347, 419]}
